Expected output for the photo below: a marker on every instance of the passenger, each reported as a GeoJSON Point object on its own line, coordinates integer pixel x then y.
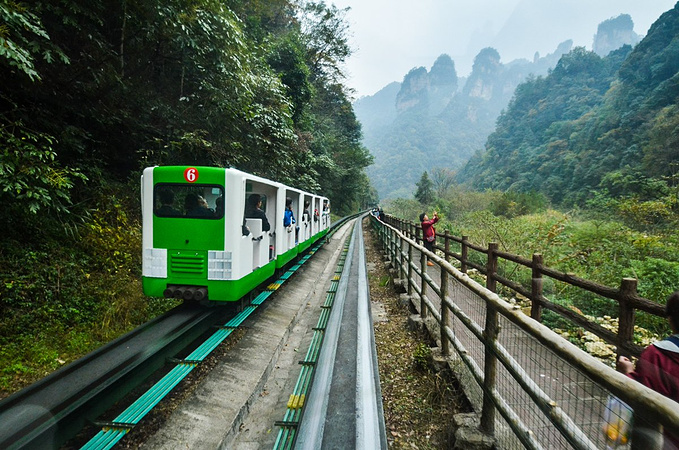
{"type": "Point", "coordinates": [305, 213]}
{"type": "Point", "coordinates": [289, 216]}
{"type": "Point", "coordinates": [219, 207]}
{"type": "Point", "coordinates": [196, 206]}
{"type": "Point", "coordinates": [166, 201]}
{"type": "Point", "coordinates": [316, 215]}
{"type": "Point", "coordinates": [429, 232]}
{"type": "Point", "coordinates": [658, 365]}
{"type": "Point", "coordinates": [253, 210]}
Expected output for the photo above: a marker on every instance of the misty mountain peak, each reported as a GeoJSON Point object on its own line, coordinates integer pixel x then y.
{"type": "Point", "coordinates": [443, 71]}
{"type": "Point", "coordinates": [614, 33]}
{"type": "Point", "coordinates": [428, 91]}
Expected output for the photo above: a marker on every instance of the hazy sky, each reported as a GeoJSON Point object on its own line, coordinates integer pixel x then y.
{"type": "Point", "coordinates": [390, 37]}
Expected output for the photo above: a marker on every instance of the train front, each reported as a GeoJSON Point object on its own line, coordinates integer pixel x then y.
{"type": "Point", "coordinates": [183, 229]}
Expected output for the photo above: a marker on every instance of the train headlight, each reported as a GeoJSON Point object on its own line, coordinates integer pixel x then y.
{"type": "Point", "coordinates": [155, 263]}
{"type": "Point", "coordinates": [218, 265]}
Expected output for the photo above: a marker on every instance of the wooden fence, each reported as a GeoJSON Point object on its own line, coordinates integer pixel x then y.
{"type": "Point", "coordinates": [564, 414]}
{"type": "Point", "coordinates": [626, 295]}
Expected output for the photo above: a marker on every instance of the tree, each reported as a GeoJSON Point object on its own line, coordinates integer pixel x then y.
{"type": "Point", "coordinates": [442, 180]}
{"type": "Point", "coordinates": [425, 192]}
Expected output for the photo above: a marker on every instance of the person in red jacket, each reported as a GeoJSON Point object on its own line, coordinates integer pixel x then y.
{"type": "Point", "coordinates": [429, 232]}
{"type": "Point", "coordinates": [658, 365]}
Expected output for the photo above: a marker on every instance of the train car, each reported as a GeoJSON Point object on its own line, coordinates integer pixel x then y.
{"type": "Point", "coordinates": [214, 234]}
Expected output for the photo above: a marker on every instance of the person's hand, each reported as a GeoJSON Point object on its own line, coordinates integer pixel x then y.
{"type": "Point", "coordinates": [624, 365]}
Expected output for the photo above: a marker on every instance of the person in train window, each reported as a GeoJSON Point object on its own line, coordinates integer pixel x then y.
{"type": "Point", "coordinates": [166, 209]}
{"type": "Point", "coordinates": [658, 365]}
{"type": "Point", "coordinates": [196, 206]}
{"type": "Point", "coordinates": [289, 216]}
{"type": "Point", "coordinates": [305, 213]}
{"type": "Point", "coordinates": [253, 210]}
{"type": "Point", "coordinates": [219, 207]}
{"type": "Point", "coordinates": [429, 232]}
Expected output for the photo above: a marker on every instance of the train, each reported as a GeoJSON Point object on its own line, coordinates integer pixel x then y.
{"type": "Point", "coordinates": [213, 234]}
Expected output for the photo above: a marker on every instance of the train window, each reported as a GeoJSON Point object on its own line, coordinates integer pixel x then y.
{"type": "Point", "coordinates": [190, 201]}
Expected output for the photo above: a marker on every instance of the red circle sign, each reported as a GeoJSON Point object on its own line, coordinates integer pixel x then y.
{"type": "Point", "coordinates": [191, 174]}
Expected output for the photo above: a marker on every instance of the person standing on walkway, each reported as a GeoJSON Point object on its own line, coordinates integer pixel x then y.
{"type": "Point", "coordinates": [429, 232]}
{"type": "Point", "coordinates": [658, 365]}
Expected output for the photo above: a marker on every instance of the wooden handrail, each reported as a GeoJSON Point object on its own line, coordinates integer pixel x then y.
{"type": "Point", "coordinates": [628, 300]}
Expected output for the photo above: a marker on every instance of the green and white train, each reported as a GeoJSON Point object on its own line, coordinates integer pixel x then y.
{"type": "Point", "coordinates": [200, 244]}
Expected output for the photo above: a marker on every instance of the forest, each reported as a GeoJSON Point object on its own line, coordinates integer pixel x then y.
{"type": "Point", "coordinates": [594, 129]}
{"type": "Point", "coordinates": [93, 92]}
{"type": "Point", "coordinates": [581, 168]}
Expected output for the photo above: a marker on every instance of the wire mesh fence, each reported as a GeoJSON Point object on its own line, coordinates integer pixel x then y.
{"type": "Point", "coordinates": [532, 388]}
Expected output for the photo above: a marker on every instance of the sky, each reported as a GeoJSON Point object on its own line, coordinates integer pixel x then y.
{"type": "Point", "coordinates": [390, 37]}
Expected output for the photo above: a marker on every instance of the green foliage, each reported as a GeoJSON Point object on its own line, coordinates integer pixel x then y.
{"type": "Point", "coordinates": [425, 192]}
{"type": "Point", "coordinates": [512, 204]}
{"type": "Point", "coordinates": [594, 124]}
{"type": "Point", "coordinates": [30, 176]}
{"type": "Point", "coordinates": [123, 85]}
{"type": "Point", "coordinates": [23, 38]}
{"type": "Point", "coordinates": [421, 357]}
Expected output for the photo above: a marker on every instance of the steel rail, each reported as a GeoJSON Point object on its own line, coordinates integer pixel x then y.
{"type": "Point", "coordinates": [350, 309]}
{"type": "Point", "coordinates": [111, 433]}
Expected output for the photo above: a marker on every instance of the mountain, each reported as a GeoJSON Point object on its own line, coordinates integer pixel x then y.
{"type": "Point", "coordinates": [380, 109]}
{"type": "Point", "coordinates": [431, 119]}
{"type": "Point", "coordinates": [593, 124]}
{"type": "Point", "coordinates": [613, 34]}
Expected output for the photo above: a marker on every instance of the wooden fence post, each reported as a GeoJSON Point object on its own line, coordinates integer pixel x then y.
{"type": "Point", "coordinates": [401, 269]}
{"type": "Point", "coordinates": [463, 253]}
{"type": "Point", "coordinates": [490, 333]}
{"type": "Point", "coordinates": [628, 288]}
{"type": "Point", "coordinates": [536, 288]}
{"type": "Point", "coordinates": [410, 272]}
{"type": "Point", "coordinates": [423, 285]}
{"type": "Point", "coordinates": [446, 251]}
{"type": "Point", "coordinates": [491, 267]}
{"type": "Point", "coordinates": [445, 344]}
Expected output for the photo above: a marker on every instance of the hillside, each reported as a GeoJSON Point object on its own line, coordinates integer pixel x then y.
{"type": "Point", "coordinates": [436, 119]}
{"type": "Point", "coordinates": [432, 119]}
{"type": "Point", "coordinates": [605, 124]}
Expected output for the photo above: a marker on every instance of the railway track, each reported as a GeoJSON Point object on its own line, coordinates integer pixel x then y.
{"type": "Point", "coordinates": [50, 411]}
{"type": "Point", "coordinates": [53, 410]}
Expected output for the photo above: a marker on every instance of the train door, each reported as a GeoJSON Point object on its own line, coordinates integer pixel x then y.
{"type": "Point", "coordinates": [259, 218]}
{"type": "Point", "coordinates": [316, 216]}
{"type": "Point", "coordinates": [305, 224]}
{"type": "Point", "coordinates": [325, 214]}
{"type": "Point", "coordinates": [291, 217]}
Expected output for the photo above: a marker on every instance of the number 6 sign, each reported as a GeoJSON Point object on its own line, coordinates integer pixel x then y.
{"type": "Point", "coordinates": [191, 174]}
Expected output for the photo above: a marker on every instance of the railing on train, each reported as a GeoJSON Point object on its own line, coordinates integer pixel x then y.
{"type": "Point", "coordinates": [652, 411]}
{"type": "Point", "coordinates": [626, 295]}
